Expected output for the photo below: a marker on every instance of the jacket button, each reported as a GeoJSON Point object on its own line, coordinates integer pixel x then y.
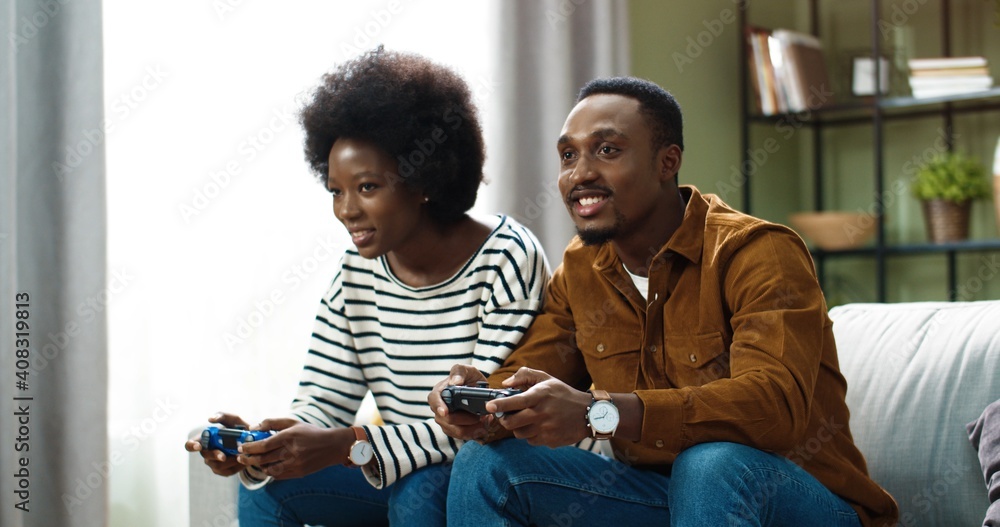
{"type": "Point", "coordinates": [659, 443]}
{"type": "Point", "coordinates": [693, 358]}
{"type": "Point", "coordinates": [652, 349]}
{"type": "Point", "coordinates": [600, 348]}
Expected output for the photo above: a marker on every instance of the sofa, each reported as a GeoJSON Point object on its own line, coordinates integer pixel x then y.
{"type": "Point", "coordinates": [917, 373]}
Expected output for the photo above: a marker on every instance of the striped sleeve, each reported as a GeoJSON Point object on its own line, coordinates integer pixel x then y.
{"type": "Point", "coordinates": [329, 390]}
{"type": "Point", "coordinates": [513, 304]}
{"type": "Point", "coordinates": [332, 383]}
{"type": "Point", "coordinates": [508, 305]}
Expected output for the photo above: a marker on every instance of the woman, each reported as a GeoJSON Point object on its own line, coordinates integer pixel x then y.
{"type": "Point", "coordinates": [396, 140]}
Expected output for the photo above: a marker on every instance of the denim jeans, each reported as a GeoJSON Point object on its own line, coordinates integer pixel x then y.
{"type": "Point", "coordinates": [339, 495]}
{"type": "Point", "coordinates": [712, 484]}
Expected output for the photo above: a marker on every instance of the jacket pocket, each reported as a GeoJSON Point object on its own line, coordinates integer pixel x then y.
{"type": "Point", "coordinates": [612, 356]}
{"type": "Point", "coordinates": [694, 360]}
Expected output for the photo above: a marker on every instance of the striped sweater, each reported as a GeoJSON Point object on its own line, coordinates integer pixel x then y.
{"type": "Point", "coordinates": [376, 333]}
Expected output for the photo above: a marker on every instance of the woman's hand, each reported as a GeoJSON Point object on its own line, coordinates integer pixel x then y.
{"type": "Point", "coordinates": [296, 449]}
{"type": "Point", "coordinates": [217, 460]}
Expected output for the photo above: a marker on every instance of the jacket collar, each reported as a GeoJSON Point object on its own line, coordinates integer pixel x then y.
{"type": "Point", "coordinates": [687, 241]}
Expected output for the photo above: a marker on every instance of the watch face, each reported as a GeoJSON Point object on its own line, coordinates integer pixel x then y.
{"type": "Point", "coordinates": [603, 417]}
{"type": "Point", "coordinates": [361, 452]}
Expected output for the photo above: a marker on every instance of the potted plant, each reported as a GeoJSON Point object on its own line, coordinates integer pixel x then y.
{"type": "Point", "coordinates": [947, 185]}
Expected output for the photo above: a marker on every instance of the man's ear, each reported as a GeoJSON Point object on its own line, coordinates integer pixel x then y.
{"type": "Point", "coordinates": [669, 161]}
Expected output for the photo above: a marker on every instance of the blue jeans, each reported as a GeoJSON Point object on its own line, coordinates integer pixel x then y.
{"type": "Point", "coordinates": [712, 484]}
{"type": "Point", "coordinates": [341, 496]}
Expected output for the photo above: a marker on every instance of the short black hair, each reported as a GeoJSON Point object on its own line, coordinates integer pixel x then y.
{"type": "Point", "coordinates": [657, 104]}
{"type": "Point", "coordinates": [419, 112]}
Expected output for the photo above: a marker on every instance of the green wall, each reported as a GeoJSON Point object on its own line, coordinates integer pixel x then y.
{"type": "Point", "coordinates": [691, 48]}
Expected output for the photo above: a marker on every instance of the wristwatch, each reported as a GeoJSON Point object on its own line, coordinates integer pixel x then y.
{"type": "Point", "coordinates": [602, 415]}
{"type": "Point", "coordinates": [361, 450]}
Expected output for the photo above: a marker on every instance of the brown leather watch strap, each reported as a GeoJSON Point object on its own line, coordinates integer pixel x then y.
{"type": "Point", "coordinates": [359, 433]}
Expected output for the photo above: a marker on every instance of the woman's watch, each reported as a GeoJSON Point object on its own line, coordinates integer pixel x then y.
{"type": "Point", "coordinates": [361, 450]}
{"type": "Point", "coordinates": [602, 415]}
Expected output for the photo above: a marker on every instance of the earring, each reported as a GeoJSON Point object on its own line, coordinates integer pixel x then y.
{"type": "Point", "coordinates": [426, 199]}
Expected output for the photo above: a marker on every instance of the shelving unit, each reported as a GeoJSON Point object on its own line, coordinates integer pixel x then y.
{"type": "Point", "coordinates": [877, 112]}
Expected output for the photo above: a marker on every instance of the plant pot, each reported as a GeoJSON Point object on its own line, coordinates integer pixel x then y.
{"type": "Point", "coordinates": [947, 221]}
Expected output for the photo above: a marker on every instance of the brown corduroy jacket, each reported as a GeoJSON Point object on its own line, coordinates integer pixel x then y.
{"type": "Point", "coordinates": [733, 344]}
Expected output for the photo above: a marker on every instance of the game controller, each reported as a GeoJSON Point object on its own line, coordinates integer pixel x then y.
{"type": "Point", "coordinates": [229, 439]}
{"type": "Point", "coordinates": [473, 399]}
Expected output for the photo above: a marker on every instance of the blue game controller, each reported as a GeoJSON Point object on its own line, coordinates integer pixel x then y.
{"type": "Point", "coordinates": [229, 439]}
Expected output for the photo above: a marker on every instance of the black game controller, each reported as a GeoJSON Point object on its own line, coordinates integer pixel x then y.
{"type": "Point", "coordinates": [473, 399]}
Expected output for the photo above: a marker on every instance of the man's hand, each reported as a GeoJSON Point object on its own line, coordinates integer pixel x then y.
{"type": "Point", "coordinates": [297, 449]}
{"type": "Point", "coordinates": [549, 412]}
{"type": "Point", "coordinates": [460, 425]}
{"type": "Point", "coordinates": [217, 460]}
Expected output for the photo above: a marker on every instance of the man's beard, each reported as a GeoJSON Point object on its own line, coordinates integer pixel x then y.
{"type": "Point", "coordinates": [600, 236]}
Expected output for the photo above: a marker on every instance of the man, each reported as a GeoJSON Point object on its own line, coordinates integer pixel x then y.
{"type": "Point", "coordinates": [705, 335]}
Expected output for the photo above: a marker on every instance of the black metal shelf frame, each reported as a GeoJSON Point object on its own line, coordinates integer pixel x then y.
{"type": "Point", "coordinates": [875, 113]}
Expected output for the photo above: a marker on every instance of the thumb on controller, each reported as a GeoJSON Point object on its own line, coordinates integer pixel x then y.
{"type": "Point", "coordinates": [275, 424]}
{"type": "Point", "coordinates": [525, 378]}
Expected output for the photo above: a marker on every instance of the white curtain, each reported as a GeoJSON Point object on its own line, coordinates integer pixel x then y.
{"type": "Point", "coordinates": [53, 408]}
{"type": "Point", "coordinates": [548, 50]}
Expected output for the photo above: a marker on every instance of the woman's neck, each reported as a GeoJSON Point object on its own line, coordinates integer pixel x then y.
{"type": "Point", "coordinates": [437, 252]}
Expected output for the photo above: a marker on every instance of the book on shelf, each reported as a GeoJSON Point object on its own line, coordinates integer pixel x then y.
{"type": "Point", "coordinates": [949, 72]}
{"type": "Point", "coordinates": [787, 71]}
{"type": "Point", "coordinates": [946, 63]}
{"type": "Point", "coordinates": [943, 76]}
{"type": "Point", "coordinates": [761, 71]}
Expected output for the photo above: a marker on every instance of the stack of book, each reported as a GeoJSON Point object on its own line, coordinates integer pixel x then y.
{"type": "Point", "coordinates": [939, 77]}
{"type": "Point", "coordinates": [787, 71]}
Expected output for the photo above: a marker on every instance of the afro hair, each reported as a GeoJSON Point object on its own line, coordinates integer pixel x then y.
{"type": "Point", "coordinates": [420, 113]}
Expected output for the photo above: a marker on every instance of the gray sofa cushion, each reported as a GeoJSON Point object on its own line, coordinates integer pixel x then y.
{"type": "Point", "coordinates": [917, 373]}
